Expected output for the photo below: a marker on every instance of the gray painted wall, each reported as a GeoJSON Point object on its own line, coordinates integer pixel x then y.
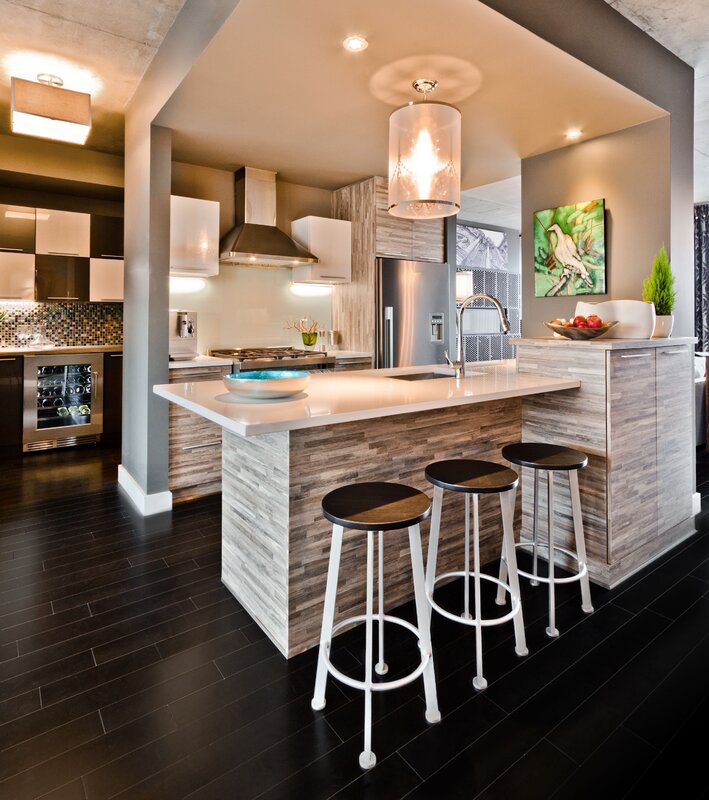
{"type": "Point", "coordinates": [631, 170]}
{"type": "Point", "coordinates": [596, 34]}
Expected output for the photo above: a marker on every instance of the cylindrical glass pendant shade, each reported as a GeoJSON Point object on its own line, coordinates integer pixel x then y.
{"type": "Point", "coordinates": [424, 161]}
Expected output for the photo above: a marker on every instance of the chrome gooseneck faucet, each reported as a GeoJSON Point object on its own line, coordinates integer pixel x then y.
{"type": "Point", "coordinates": [459, 364]}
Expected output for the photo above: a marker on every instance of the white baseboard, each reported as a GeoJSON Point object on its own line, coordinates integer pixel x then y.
{"type": "Point", "coordinates": [696, 503]}
{"type": "Point", "coordinates": [146, 504]}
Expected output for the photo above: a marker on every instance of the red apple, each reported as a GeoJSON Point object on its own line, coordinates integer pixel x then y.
{"type": "Point", "coordinates": [595, 323]}
{"type": "Point", "coordinates": [593, 316]}
{"type": "Point", "coordinates": [580, 321]}
{"type": "Point", "coordinates": [582, 325]}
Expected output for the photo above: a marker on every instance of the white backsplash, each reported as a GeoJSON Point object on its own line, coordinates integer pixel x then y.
{"type": "Point", "coordinates": [244, 306]}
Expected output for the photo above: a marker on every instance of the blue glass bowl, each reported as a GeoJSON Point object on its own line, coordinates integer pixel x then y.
{"type": "Point", "coordinates": [267, 384]}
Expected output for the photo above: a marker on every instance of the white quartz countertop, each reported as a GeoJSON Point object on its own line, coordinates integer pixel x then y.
{"type": "Point", "coordinates": [604, 344]}
{"type": "Point", "coordinates": [202, 361]}
{"type": "Point", "coordinates": [331, 398]}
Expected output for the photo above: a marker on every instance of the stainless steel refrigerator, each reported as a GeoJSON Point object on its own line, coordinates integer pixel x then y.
{"type": "Point", "coordinates": [414, 302]}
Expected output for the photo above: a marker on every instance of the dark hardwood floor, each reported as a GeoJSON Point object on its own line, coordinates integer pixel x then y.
{"type": "Point", "coordinates": [127, 670]}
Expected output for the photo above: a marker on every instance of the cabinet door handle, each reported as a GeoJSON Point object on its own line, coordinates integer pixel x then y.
{"type": "Point", "coordinates": [110, 255]}
{"type": "Point", "coordinates": [115, 355]}
{"type": "Point", "coordinates": [111, 300]}
{"type": "Point", "coordinates": [8, 359]}
{"type": "Point", "coordinates": [12, 297]}
{"type": "Point", "coordinates": [674, 352]}
{"type": "Point", "coordinates": [191, 447]}
{"type": "Point", "coordinates": [638, 355]}
{"type": "Point", "coordinates": [59, 253]}
{"type": "Point", "coordinates": [62, 297]}
{"type": "Point", "coordinates": [332, 277]}
{"type": "Point", "coordinates": [13, 249]}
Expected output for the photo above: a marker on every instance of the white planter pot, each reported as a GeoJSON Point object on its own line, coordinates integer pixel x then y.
{"type": "Point", "coordinates": [663, 326]}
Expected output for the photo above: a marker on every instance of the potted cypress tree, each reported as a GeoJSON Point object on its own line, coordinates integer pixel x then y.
{"type": "Point", "coordinates": [659, 289]}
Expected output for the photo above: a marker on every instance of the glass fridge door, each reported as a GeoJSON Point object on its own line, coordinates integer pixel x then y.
{"type": "Point", "coordinates": [64, 395]}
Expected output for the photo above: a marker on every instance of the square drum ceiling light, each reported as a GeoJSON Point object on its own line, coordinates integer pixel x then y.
{"type": "Point", "coordinates": [47, 111]}
{"type": "Point", "coordinates": [424, 158]}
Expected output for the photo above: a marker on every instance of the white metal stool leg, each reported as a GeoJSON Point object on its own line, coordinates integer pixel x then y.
{"type": "Point", "coordinates": [552, 629]}
{"type": "Point", "coordinates": [466, 586]}
{"type": "Point", "coordinates": [434, 535]}
{"type": "Point", "coordinates": [367, 759]}
{"type": "Point", "coordinates": [586, 605]}
{"type": "Point", "coordinates": [533, 581]}
{"type": "Point", "coordinates": [423, 619]}
{"type": "Point", "coordinates": [479, 681]}
{"type": "Point", "coordinates": [318, 701]}
{"type": "Point", "coordinates": [381, 668]}
{"type": "Point", "coordinates": [501, 596]}
{"type": "Point", "coordinates": [507, 504]}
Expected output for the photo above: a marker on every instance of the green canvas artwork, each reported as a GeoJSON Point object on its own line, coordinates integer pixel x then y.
{"type": "Point", "coordinates": [570, 250]}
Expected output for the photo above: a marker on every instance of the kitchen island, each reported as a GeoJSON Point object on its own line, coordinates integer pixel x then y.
{"type": "Point", "coordinates": [610, 398]}
{"type": "Point", "coordinates": [280, 457]}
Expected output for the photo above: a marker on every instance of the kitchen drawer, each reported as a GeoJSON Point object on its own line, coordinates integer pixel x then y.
{"type": "Point", "coordinates": [195, 455]}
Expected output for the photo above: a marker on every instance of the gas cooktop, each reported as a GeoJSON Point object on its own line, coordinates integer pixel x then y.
{"type": "Point", "coordinates": [264, 357]}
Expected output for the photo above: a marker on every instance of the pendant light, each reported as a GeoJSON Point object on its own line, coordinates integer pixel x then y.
{"type": "Point", "coordinates": [47, 111]}
{"type": "Point", "coordinates": [424, 158]}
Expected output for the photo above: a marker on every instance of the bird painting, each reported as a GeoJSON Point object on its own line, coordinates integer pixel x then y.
{"type": "Point", "coordinates": [569, 250]}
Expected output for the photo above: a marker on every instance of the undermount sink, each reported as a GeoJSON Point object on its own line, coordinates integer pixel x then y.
{"type": "Point", "coordinates": [427, 376]}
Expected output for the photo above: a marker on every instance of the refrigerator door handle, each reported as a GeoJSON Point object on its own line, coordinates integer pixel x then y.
{"type": "Point", "coordinates": [389, 336]}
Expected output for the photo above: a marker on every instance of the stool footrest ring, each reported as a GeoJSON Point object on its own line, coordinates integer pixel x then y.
{"type": "Point", "coordinates": [380, 686]}
{"type": "Point", "coordinates": [582, 568]}
{"type": "Point", "coordinates": [473, 621]}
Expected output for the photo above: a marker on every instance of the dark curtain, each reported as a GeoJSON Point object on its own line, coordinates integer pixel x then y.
{"type": "Point", "coordinates": [701, 275]}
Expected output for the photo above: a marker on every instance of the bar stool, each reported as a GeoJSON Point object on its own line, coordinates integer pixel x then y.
{"type": "Point", "coordinates": [476, 478]}
{"type": "Point", "coordinates": [552, 458]}
{"type": "Point", "coordinates": [374, 507]}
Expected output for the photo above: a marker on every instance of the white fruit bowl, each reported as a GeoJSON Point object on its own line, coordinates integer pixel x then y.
{"type": "Point", "coordinates": [267, 384]}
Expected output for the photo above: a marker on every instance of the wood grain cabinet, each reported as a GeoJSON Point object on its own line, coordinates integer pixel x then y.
{"type": "Point", "coordinates": [195, 448]}
{"type": "Point", "coordinates": [634, 417]}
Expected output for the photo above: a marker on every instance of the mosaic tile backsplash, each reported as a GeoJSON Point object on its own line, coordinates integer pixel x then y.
{"type": "Point", "coordinates": [64, 324]}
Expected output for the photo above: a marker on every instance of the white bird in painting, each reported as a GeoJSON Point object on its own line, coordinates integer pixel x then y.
{"type": "Point", "coordinates": [568, 257]}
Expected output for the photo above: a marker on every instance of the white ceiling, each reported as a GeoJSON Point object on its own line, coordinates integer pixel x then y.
{"type": "Point", "coordinates": [97, 46]}
{"type": "Point", "coordinates": [274, 89]}
{"type": "Point", "coordinates": [682, 26]}
{"type": "Point", "coordinates": [497, 203]}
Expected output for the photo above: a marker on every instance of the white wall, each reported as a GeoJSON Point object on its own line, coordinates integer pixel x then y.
{"type": "Point", "coordinates": [247, 306]}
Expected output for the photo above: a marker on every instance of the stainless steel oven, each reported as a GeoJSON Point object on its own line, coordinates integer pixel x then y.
{"type": "Point", "coordinates": [63, 400]}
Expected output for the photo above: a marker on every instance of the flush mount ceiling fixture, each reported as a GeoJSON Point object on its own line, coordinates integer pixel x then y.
{"type": "Point", "coordinates": [47, 111]}
{"type": "Point", "coordinates": [424, 158]}
{"type": "Point", "coordinates": [355, 44]}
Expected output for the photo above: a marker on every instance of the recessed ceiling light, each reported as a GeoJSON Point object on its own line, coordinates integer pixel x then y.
{"type": "Point", "coordinates": [574, 133]}
{"type": "Point", "coordinates": [355, 44]}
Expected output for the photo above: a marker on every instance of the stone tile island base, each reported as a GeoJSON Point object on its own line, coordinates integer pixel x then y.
{"type": "Point", "coordinates": [276, 543]}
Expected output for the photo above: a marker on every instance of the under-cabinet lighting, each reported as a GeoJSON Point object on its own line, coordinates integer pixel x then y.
{"type": "Point", "coordinates": [186, 285]}
{"type": "Point", "coordinates": [310, 289]}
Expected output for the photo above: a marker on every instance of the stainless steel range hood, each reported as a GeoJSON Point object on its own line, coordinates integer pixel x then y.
{"type": "Point", "coordinates": [255, 240]}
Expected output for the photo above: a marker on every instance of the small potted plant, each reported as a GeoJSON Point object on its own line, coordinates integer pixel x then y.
{"type": "Point", "coordinates": [659, 289]}
{"type": "Point", "coordinates": [308, 330]}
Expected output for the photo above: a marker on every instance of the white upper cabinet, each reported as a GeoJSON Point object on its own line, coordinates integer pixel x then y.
{"type": "Point", "coordinates": [194, 236]}
{"type": "Point", "coordinates": [16, 276]}
{"type": "Point", "coordinates": [106, 280]}
{"type": "Point", "coordinates": [331, 241]}
{"type": "Point", "coordinates": [63, 233]}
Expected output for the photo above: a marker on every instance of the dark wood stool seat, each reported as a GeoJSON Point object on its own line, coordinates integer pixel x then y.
{"type": "Point", "coordinates": [539, 455]}
{"type": "Point", "coordinates": [474, 477]}
{"type": "Point", "coordinates": [377, 506]}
